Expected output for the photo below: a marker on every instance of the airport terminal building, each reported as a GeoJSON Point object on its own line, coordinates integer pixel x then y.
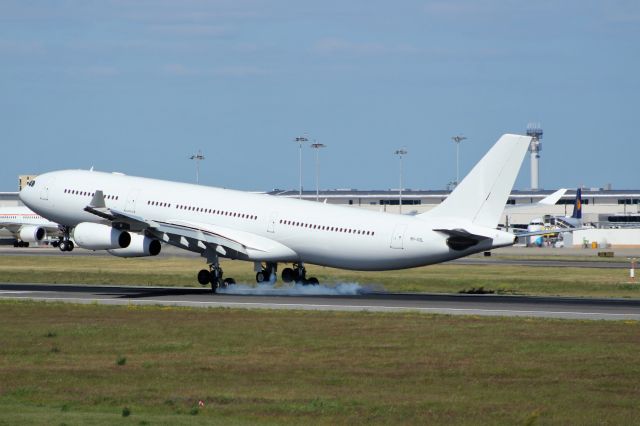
{"type": "Point", "coordinates": [601, 208]}
{"type": "Point", "coordinates": [598, 205]}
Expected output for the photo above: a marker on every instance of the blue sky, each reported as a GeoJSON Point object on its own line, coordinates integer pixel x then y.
{"type": "Point", "coordinates": [138, 87]}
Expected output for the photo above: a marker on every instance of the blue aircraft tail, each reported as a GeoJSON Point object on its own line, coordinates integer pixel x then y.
{"type": "Point", "coordinates": [577, 207]}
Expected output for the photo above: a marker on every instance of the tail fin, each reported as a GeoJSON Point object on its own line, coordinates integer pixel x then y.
{"type": "Point", "coordinates": [577, 207]}
{"type": "Point", "coordinates": [483, 193]}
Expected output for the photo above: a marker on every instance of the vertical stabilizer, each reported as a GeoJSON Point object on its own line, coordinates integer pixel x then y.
{"type": "Point", "coordinates": [483, 193]}
{"type": "Point", "coordinates": [577, 206]}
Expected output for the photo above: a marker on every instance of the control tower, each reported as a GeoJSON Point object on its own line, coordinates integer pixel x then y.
{"type": "Point", "coordinates": [535, 131]}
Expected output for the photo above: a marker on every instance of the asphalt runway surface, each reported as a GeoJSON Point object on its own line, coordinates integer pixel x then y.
{"type": "Point", "coordinates": [484, 305]}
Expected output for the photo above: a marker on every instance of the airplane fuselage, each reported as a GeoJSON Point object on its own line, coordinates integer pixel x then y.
{"type": "Point", "coordinates": [315, 233]}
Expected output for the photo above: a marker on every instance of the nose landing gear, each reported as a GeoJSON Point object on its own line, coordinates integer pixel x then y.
{"type": "Point", "coordinates": [65, 243]}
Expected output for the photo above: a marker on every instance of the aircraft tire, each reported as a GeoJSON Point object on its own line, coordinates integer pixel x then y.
{"type": "Point", "coordinates": [261, 277]}
{"type": "Point", "coordinates": [288, 275]}
{"type": "Point", "coordinates": [313, 281]}
{"type": "Point", "coordinates": [204, 277]}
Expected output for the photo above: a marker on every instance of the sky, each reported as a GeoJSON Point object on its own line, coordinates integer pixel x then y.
{"type": "Point", "coordinates": [139, 86]}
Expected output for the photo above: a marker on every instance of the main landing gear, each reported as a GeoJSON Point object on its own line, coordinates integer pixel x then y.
{"type": "Point", "coordinates": [266, 273]}
{"type": "Point", "coordinates": [298, 274]}
{"type": "Point", "coordinates": [214, 275]}
{"type": "Point", "coordinates": [269, 271]}
{"type": "Point", "coordinates": [65, 243]}
{"type": "Point", "coordinates": [18, 243]}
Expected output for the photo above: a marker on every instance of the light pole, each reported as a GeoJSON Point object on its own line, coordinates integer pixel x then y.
{"type": "Point", "coordinates": [400, 152]}
{"type": "Point", "coordinates": [317, 147]}
{"type": "Point", "coordinates": [457, 140]}
{"type": "Point", "coordinates": [300, 140]}
{"type": "Point", "coordinates": [197, 157]}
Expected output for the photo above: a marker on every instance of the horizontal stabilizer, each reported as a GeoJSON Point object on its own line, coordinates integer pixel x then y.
{"type": "Point", "coordinates": [459, 239]}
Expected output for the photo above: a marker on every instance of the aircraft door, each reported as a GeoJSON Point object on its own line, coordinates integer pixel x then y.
{"type": "Point", "coordinates": [44, 192]}
{"type": "Point", "coordinates": [130, 205]}
{"type": "Point", "coordinates": [271, 227]}
{"type": "Point", "coordinates": [397, 240]}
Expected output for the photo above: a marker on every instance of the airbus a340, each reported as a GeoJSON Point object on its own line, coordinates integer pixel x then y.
{"type": "Point", "coordinates": [132, 216]}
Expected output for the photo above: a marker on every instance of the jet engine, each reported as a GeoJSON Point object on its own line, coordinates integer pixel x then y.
{"type": "Point", "coordinates": [31, 234]}
{"type": "Point", "coordinates": [96, 236]}
{"type": "Point", "coordinates": [140, 246]}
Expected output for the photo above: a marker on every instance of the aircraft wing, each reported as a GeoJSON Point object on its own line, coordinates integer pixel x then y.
{"type": "Point", "coordinates": [547, 232]}
{"type": "Point", "coordinates": [549, 200]}
{"type": "Point", "coordinates": [195, 236]}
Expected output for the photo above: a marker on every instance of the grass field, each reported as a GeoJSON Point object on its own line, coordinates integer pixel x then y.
{"type": "Point", "coordinates": [70, 364]}
{"type": "Point", "coordinates": [444, 278]}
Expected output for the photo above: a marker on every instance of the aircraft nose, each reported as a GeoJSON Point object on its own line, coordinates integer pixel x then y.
{"type": "Point", "coordinates": [28, 194]}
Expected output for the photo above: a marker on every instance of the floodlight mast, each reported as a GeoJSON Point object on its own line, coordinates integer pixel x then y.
{"type": "Point", "coordinates": [300, 140]}
{"type": "Point", "coordinates": [400, 153]}
{"type": "Point", "coordinates": [317, 146]}
{"type": "Point", "coordinates": [457, 140]}
{"type": "Point", "coordinates": [197, 157]}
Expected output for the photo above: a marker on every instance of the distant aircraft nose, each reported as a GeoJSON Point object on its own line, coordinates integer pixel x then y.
{"type": "Point", "coordinates": [29, 193]}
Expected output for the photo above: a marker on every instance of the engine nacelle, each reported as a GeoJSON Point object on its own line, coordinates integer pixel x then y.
{"type": "Point", "coordinates": [95, 236]}
{"type": "Point", "coordinates": [140, 246]}
{"type": "Point", "coordinates": [31, 234]}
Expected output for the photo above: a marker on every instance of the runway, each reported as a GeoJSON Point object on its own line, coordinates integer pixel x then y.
{"type": "Point", "coordinates": [484, 305]}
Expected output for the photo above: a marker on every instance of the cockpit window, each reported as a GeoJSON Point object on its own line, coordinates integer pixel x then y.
{"type": "Point", "coordinates": [32, 183]}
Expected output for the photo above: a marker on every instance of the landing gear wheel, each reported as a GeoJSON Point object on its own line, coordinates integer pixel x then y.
{"type": "Point", "coordinates": [204, 277]}
{"type": "Point", "coordinates": [227, 282]}
{"type": "Point", "coordinates": [288, 275]}
{"type": "Point", "coordinates": [55, 243]}
{"type": "Point", "coordinates": [299, 273]}
{"type": "Point", "coordinates": [261, 277]}
{"type": "Point", "coordinates": [65, 245]}
{"type": "Point", "coordinates": [313, 281]}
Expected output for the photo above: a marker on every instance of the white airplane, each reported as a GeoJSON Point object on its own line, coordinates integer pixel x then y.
{"type": "Point", "coordinates": [131, 216]}
{"type": "Point", "coordinates": [26, 226]}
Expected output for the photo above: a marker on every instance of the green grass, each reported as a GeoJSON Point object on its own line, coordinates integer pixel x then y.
{"type": "Point", "coordinates": [444, 278]}
{"type": "Point", "coordinates": [298, 367]}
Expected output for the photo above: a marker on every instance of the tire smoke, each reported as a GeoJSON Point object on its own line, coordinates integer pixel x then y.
{"type": "Point", "coordinates": [338, 289]}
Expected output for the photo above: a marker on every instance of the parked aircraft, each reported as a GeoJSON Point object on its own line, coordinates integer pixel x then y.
{"type": "Point", "coordinates": [554, 223]}
{"type": "Point", "coordinates": [26, 226]}
{"type": "Point", "coordinates": [131, 216]}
